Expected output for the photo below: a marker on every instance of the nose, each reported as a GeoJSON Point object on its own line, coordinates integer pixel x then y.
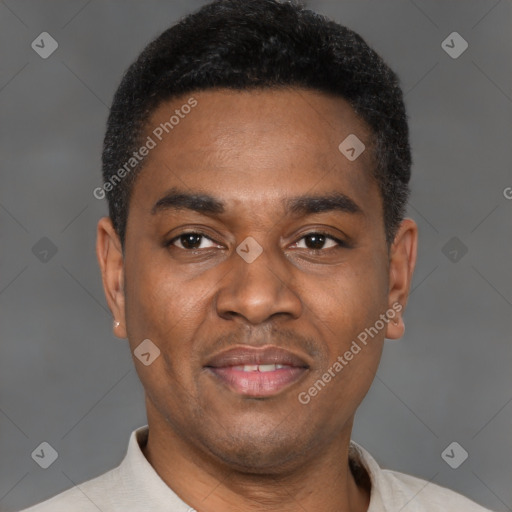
{"type": "Point", "coordinates": [256, 291]}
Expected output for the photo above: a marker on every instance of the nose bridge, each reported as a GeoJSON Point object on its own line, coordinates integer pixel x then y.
{"type": "Point", "coordinates": [258, 286]}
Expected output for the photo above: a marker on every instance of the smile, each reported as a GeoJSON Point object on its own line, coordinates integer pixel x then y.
{"type": "Point", "coordinates": [257, 372]}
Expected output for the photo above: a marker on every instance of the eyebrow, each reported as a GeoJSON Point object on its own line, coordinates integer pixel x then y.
{"type": "Point", "coordinates": [175, 199]}
{"type": "Point", "coordinates": [307, 205]}
{"type": "Point", "coordinates": [205, 204]}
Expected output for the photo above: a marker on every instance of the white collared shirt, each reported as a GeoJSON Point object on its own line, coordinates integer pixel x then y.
{"type": "Point", "coordinates": [134, 486]}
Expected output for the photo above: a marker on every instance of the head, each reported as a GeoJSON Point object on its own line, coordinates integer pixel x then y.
{"type": "Point", "coordinates": [266, 163]}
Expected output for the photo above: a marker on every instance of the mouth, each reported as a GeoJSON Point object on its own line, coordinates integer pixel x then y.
{"type": "Point", "coordinates": [257, 372]}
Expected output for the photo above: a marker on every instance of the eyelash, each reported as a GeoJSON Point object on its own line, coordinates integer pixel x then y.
{"type": "Point", "coordinates": [340, 243]}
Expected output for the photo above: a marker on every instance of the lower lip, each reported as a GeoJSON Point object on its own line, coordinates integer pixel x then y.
{"type": "Point", "coordinates": [258, 384]}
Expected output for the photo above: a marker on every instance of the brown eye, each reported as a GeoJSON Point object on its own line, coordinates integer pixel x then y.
{"type": "Point", "coordinates": [314, 241]}
{"type": "Point", "coordinates": [318, 241]}
{"type": "Point", "coordinates": [192, 241]}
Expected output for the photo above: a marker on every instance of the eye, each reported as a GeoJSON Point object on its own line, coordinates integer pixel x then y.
{"type": "Point", "coordinates": [192, 241]}
{"type": "Point", "coordinates": [318, 241]}
{"type": "Point", "coordinates": [315, 241]}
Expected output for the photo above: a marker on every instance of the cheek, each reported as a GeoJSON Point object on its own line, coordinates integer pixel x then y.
{"type": "Point", "coordinates": [168, 309]}
{"type": "Point", "coordinates": [155, 295]}
{"type": "Point", "coordinates": [349, 299]}
{"type": "Point", "coordinates": [151, 302]}
{"type": "Point", "coordinates": [345, 309]}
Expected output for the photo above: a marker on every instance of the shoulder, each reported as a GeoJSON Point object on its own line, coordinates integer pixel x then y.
{"type": "Point", "coordinates": [89, 496]}
{"type": "Point", "coordinates": [133, 485]}
{"type": "Point", "coordinates": [418, 495]}
{"type": "Point", "coordinates": [393, 491]}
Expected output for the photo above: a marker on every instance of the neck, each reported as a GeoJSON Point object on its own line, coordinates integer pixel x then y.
{"type": "Point", "coordinates": [322, 482]}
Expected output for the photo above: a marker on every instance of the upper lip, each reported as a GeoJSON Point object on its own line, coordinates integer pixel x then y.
{"type": "Point", "coordinates": [240, 356]}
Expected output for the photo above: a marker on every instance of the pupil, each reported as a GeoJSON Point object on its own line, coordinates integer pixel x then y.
{"type": "Point", "coordinates": [316, 241]}
{"type": "Point", "coordinates": [191, 240]}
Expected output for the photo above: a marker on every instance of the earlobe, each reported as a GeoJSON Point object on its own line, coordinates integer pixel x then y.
{"type": "Point", "coordinates": [395, 328]}
{"type": "Point", "coordinates": [401, 268]}
{"type": "Point", "coordinates": [111, 261]}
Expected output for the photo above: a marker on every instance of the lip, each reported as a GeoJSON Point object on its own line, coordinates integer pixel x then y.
{"type": "Point", "coordinates": [227, 367]}
{"type": "Point", "coordinates": [239, 356]}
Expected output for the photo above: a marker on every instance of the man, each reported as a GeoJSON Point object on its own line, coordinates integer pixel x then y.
{"type": "Point", "coordinates": [256, 165]}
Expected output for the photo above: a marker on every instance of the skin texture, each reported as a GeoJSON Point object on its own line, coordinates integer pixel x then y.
{"type": "Point", "coordinates": [217, 449]}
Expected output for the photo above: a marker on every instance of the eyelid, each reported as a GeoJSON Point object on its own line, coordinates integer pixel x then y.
{"type": "Point", "coordinates": [190, 232]}
{"type": "Point", "coordinates": [338, 241]}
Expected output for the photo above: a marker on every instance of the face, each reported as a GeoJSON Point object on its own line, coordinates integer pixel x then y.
{"type": "Point", "coordinates": [255, 259]}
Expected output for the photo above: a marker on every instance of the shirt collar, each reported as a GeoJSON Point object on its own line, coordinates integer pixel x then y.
{"type": "Point", "coordinates": [136, 471]}
{"type": "Point", "coordinates": [362, 458]}
{"type": "Point", "coordinates": [141, 481]}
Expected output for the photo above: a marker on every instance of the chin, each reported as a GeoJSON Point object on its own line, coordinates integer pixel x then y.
{"type": "Point", "coordinates": [258, 452]}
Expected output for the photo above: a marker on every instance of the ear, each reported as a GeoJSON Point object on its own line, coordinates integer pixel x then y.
{"type": "Point", "coordinates": [402, 260]}
{"type": "Point", "coordinates": [110, 258]}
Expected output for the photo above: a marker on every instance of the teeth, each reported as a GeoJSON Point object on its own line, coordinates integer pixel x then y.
{"type": "Point", "coordinates": [259, 367]}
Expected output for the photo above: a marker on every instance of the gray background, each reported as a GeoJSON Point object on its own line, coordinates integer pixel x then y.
{"type": "Point", "coordinates": [66, 380]}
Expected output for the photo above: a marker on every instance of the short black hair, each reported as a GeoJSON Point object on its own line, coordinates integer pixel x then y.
{"type": "Point", "coordinates": [259, 44]}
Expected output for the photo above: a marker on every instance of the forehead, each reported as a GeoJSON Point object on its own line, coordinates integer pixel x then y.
{"type": "Point", "coordinates": [256, 146]}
